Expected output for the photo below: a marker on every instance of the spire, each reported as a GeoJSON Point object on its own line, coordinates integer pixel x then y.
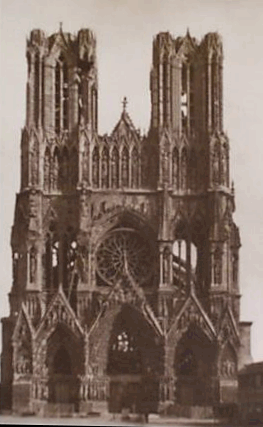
{"type": "Point", "coordinates": [124, 104]}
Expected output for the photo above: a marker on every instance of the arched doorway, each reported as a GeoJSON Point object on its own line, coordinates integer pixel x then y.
{"type": "Point", "coordinates": [64, 361]}
{"type": "Point", "coordinates": [135, 360]}
{"type": "Point", "coordinates": [194, 362]}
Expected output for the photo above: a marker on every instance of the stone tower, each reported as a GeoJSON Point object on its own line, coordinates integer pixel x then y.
{"type": "Point", "coordinates": [125, 253]}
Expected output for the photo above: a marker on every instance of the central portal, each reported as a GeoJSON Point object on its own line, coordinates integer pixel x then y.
{"type": "Point", "coordinates": [134, 361]}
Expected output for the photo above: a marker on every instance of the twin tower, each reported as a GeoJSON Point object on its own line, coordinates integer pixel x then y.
{"type": "Point", "coordinates": [125, 285]}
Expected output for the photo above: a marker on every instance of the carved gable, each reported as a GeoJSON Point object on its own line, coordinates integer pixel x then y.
{"type": "Point", "coordinates": [228, 329]}
{"type": "Point", "coordinates": [59, 312]}
{"type": "Point", "coordinates": [192, 313]}
{"type": "Point", "coordinates": [22, 344]}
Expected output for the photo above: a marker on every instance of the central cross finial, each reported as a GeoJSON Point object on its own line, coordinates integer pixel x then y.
{"type": "Point", "coordinates": [124, 103]}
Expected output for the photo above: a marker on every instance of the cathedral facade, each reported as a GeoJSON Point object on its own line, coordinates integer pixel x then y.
{"type": "Point", "coordinates": [125, 286]}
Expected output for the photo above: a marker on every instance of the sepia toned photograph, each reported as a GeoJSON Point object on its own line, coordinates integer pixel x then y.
{"type": "Point", "coordinates": [131, 212]}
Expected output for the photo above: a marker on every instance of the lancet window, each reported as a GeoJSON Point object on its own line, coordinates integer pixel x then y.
{"type": "Point", "coordinates": [216, 167]}
{"type": "Point", "coordinates": [95, 167]}
{"type": "Point", "coordinates": [62, 265]}
{"type": "Point", "coordinates": [175, 168]}
{"type": "Point", "coordinates": [36, 88]}
{"type": "Point", "coordinates": [32, 264]}
{"type": "Point", "coordinates": [115, 168]}
{"type": "Point", "coordinates": [105, 168]}
{"type": "Point", "coordinates": [184, 97]}
{"type": "Point", "coordinates": [47, 170]}
{"type": "Point", "coordinates": [34, 163]}
{"type": "Point", "coordinates": [166, 266]}
{"type": "Point", "coordinates": [61, 95]}
{"type": "Point", "coordinates": [51, 261]}
{"type": "Point", "coordinates": [55, 170]}
{"type": "Point", "coordinates": [125, 167]}
{"type": "Point", "coordinates": [185, 254]}
{"type": "Point", "coordinates": [86, 165]}
{"type": "Point", "coordinates": [135, 168]}
{"type": "Point", "coordinates": [184, 161]}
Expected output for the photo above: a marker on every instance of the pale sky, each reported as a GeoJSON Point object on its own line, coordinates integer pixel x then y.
{"type": "Point", "coordinates": [124, 31]}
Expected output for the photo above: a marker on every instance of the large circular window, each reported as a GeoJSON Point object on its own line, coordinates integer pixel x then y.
{"type": "Point", "coordinates": [124, 250]}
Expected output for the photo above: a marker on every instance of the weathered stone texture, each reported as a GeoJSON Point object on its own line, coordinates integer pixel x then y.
{"type": "Point", "coordinates": [125, 252]}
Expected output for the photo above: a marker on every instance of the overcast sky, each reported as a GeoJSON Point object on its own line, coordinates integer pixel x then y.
{"type": "Point", "coordinates": [124, 31]}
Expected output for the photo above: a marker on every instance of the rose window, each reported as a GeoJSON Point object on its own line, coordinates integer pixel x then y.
{"type": "Point", "coordinates": [124, 251]}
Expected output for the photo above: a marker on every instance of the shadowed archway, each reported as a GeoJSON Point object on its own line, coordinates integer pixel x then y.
{"type": "Point", "coordinates": [135, 360]}
{"type": "Point", "coordinates": [194, 362]}
{"type": "Point", "coordinates": [64, 363]}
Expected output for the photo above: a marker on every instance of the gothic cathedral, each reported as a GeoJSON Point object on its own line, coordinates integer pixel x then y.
{"type": "Point", "coordinates": [125, 287]}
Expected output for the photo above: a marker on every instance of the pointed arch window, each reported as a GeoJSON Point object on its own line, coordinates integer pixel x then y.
{"type": "Point", "coordinates": [57, 98]}
{"type": "Point", "coordinates": [224, 174]}
{"type": "Point", "coordinates": [55, 264]}
{"type": "Point", "coordinates": [135, 168]}
{"type": "Point", "coordinates": [125, 167]}
{"type": "Point", "coordinates": [61, 95]}
{"type": "Point", "coordinates": [215, 91]}
{"type": "Point", "coordinates": [105, 168]}
{"type": "Point", "coordinates": [47, 170]}
{"type": "Point", "coordinates": [184, 161]}
{"type": "Point", "coordinates": [32, 264]}
{"type": "Point", "coordinates": [65, 99]}
{"type": "Point", "coordinates": [166, 266]}
{"type": "Point", "coordinates": [36, 88]}
{"type": "Point", "coordinates": [51, 263]}
{"type": "Point", "coordinates": [175, 168]}
{"type": "Point", "coordinates": [115, 168]}
{"type": "Point", "coordinates": [94, 96]}
{"type": "Point", "coordinates": [216, 167]}
{"type": "Point", "coordinates": [55, 170]}
{"type": "Point", "coordinates": [34, 163]}
{"type": "Point", "coordinates": [70, 269]}
{"type": "Point", "coordinates": [86, 165]}
{"type": "Point", "coordinates": [95, 167]}
{"type": "Point", "coordinates": [124, 354]}
{"type": "Point", "coordinates": [184, 99]}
